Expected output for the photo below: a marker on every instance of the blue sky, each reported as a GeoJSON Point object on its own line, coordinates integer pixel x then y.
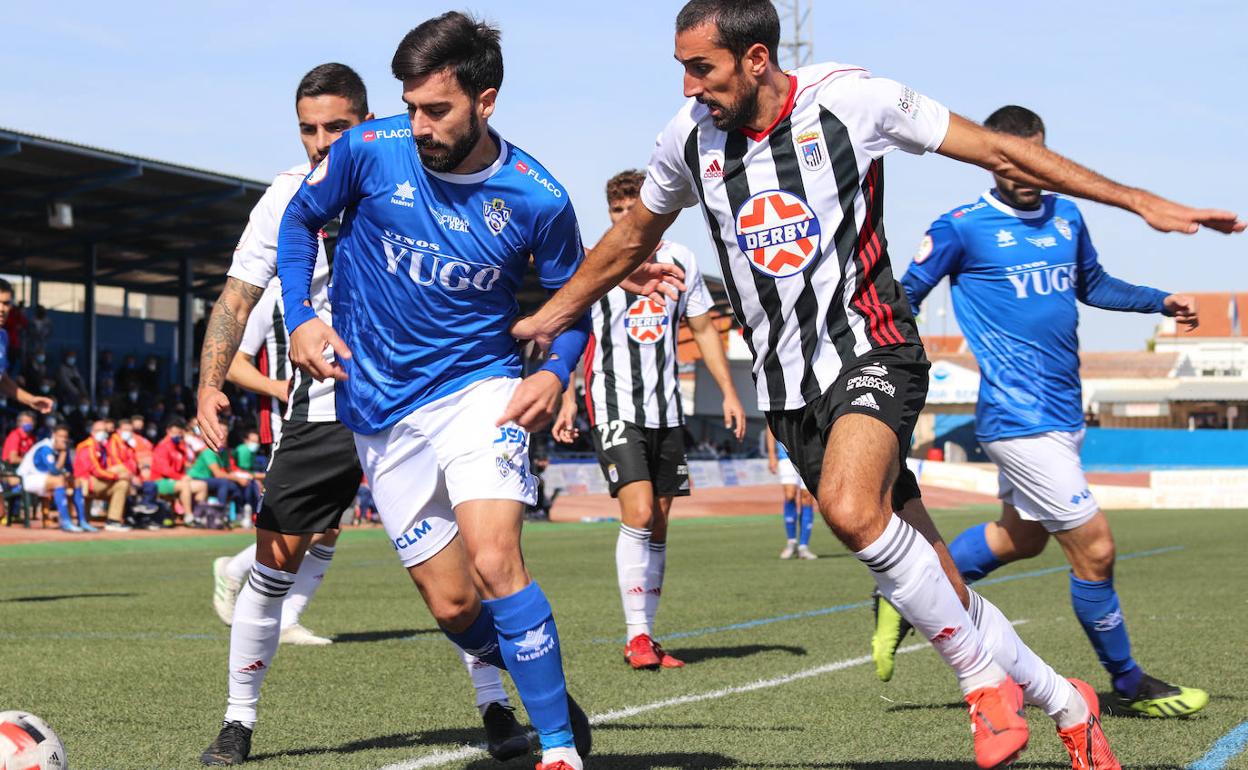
{"type": "Point", "coordinates": [1147, 92]}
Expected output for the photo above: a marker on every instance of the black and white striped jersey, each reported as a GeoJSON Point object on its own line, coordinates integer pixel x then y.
{"type": "Point", "coordinates": [255, 262]}
{"type": "Point", "coordinates": [630, 363]}
{"type": "Point", "coordinates": [795, 214]}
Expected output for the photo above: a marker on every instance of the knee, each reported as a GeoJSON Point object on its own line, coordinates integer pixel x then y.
{"type": "Point", "coordinates": [499, 572]}
{"type": "Point", "coordinates": [1029, 544]}
{"type": "Point", "coordinates": [852, 515]}
{"type": "Point", "coordinates": [453, 613]}
{"type": "Point", "coordinates": [1098, 560]}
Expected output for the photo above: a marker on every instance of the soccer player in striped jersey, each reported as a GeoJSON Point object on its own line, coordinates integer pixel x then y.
{"type": "Point", "coordinates": [797, 526]}
{"type": "Point", "coordinates": [1019, 261]}
{"type": "Point", "coordinates": [314, 471]}
{"type": "Point", "coordinates": [633, 399]}
{"type": "Point", "coordinates": [787, 169]}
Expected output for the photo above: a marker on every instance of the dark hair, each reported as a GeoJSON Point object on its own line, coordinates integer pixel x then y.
{"type": "Point", "coordinates": [60, 426]}
{"type": "Point", "coordinates": [626, 184]}
{"type": "Point", "coordinates": [739, 24]}
{"type": "Point", "coordinates": [175, 422]}
{"type": "Point", "coordinates": [1016, 121]}
{"type": "Point", "coordinates": [453, 41]}
{"type": "Point", "coordinates": [25, 413]}
{"type": "Point", "coordinates": [5, 287]}
{"type": "Point", "coordinates": [335, 79]}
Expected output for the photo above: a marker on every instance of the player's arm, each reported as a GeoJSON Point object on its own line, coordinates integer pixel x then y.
{"type": "Point", "coordinates": [706, 337]}
{"type": "Point", "coordinates": [1098, 288]}
{"type": "Point", "coordinates": [773, 460]}
{"type": "Point", "coordinates": [1029, 163]}
{"type": "Point", "coordinates": [243, 373]}
{"type": "Point", "coordinates": [225, 330]}
{"type": "Point", "coordinates": [326, 191]}
{"type": "Point", "coordinates": [10, 389]}
{"type": "Point", "coordinates": [564, 428]}
{"type": "Point", "coordinates": [940, 254]}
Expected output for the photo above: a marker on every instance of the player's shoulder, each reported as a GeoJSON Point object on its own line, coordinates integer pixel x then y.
{"type": "Point", "coordinates": [967, 213]}
{"type": "Point", "coordinates": [827, 78]}
{"type": "Point", "coordinates": [1063, 207]}
{"type": "Point", "coordinates": [285, 184]}
{"type": "Point", "coordinates": [379, 135]}
{"type": "Point", "coordinates": [534, 184]}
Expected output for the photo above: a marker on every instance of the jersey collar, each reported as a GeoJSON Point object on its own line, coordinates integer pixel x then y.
{"type": "Point", "coordinates": [759, 136]}
{"type": "Point", "coordinates": [1009, 210]}
{"type": "Point", "coordinates": [479, 176]}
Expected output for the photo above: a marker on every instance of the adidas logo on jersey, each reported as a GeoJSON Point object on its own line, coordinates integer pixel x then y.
{"type": "Point", "coordinates": [867, 400]}
{"type": "Point", "coordinates": [714, 171]}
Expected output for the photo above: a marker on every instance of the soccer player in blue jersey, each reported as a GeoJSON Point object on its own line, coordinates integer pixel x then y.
{"type": "Point", "coordinates": [1019, 261]}
{"type": "Point", "coordinates": [442, 217]}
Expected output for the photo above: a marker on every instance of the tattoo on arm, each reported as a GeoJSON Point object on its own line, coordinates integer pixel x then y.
{"type": "Point", "coordinates": [225, 330]}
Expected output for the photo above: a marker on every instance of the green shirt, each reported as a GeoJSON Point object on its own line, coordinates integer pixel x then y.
{"type": "Point", "coordinates": [244, 458]}
{"type": "Point", "coordinates": [205, 461]}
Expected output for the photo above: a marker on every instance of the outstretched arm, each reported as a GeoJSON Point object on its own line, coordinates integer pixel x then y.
{"type": "Point", "coordinates": [1028, 163]}
{"type": "Point", "coordinates": [243, 373]}
{"type": "Point", "coordinates": [225, 331]}
{"type": "Point", "coordinates": [620, 252]}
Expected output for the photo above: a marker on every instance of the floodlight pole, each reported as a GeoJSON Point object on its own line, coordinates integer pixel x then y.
{"type": "Point", "coordinates": [90, 343]}
{"type": "Point", "coordinates": [186, 325]}
{"type": "Point", "coordinates": [796, 47]}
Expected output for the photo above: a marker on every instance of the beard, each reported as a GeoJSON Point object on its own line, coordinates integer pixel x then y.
{"type": "Point", "coordinates": [733, 117]}
{"type": "Point", "coordinates": [444, 158]}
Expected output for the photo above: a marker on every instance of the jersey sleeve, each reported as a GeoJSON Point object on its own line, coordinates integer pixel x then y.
{"type": "Point", "coordinates": [940, 254]}
{"type": "Point", "coordinates": [260, 322]}
{"type": "Point", "coordinates": [331, 186]}
{"type": "Point", "coordinates": [557, 249]}
{"type": "Point", "coordinates": [255, 256]}
{"type": "Point", "coordinates": [900, 118]}
{"type": "Point", "coordinates": [1100, 289]}
{"type": "Point", "coordinates": [669, 187]}
{"type": "Point", "coordinates": [697, 298]}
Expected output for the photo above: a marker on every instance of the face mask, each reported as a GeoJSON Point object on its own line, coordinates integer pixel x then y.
{"type": "Point", "coordinates": [71, 360]}
{"type": "Point", "coordinates": [45, 388]}
{"type": "Point", "coordinates": [40, 358]}
{"type": "Point", "coordinates": [176, 439]}
{"type": "Point", "coordinates": [134, 395]}
{"type": "Point", "coordinates": [101, 436]}
{"type": "Point", "coordinates": [151, 433]}
{"type": "Point", "coordinates": [84, 408]}
{"type": "Point", "coordinates": [151, 367]}
{"type": "Point", "coordinates": [28, 427]}
{"type": "Point", "coordinates": [253, 446]}
{"type": "Point", "coordinates": [195, 444]}
{"type": "Point", "coordinates": [104, 410]}
{"type": "Point", "coordinates": [50, 422]}
{"type": "Point", "coordinates": [126, 435]}
{"type": "Point", "coordinates": [198, 432]}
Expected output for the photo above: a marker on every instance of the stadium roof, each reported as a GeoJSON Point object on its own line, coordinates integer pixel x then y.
{"type": "Point", "coordinates": [1208, 389]}
{"type": "Point", "coordinates": [140, 216]}
{"type": "Point", "coordinates": [1106, 365]}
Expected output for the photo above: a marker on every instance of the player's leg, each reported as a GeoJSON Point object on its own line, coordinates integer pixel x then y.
{"type": "Point", "coordinates": [632, 563]}
{"type": "Point", "coordinates": [1089, 548]}
{"type": "Point", "coordinates": [665, 452]}
{"type": "Point", "coordinates": [42, 484]}
{"type": "Point", "coordinates": [116, 491]}
{"type": "Point", "coordinates": [309, 578]}
{"type": "Point", "coordinates": [228, 574]}
{"type": "Point", "coordinates": [981, 549]}
{"type": "Point", "coordinates": [790, 516]}
{"type": "Point", "coordinates": [806, 522]}
{"type": "Point", "coordinates": [656, 571]}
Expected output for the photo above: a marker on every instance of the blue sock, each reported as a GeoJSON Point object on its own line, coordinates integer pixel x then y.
{"type": "Point", "coordinates": [530, 645]}
{"type": "Point", "coordinates": [808, 521]}
{"type": "Point", "coordinates": [790, 519]}
{"type": "Point", "coordinates": [62, 506]}
{"type": "Point", "coordinates": [971, 553]}
{"type": "Point", "coordinates": [1096, 606]}
{"type": "Point", "coordinates": [480, 639]}
{"type": "Point", "coordinates": [81, 504]}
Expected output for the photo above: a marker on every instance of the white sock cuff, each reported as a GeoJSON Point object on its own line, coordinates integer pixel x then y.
{"type": "Point", "coordinates": [634, 533]}
{"type": "Point", "coordinates": [658, 546]}
{"type": "Point", "coordinates": [322, 552]}
{"type": "Point", "coordinates": [891, 547]}
{"type": "Point", "coordinates": [273, 583]}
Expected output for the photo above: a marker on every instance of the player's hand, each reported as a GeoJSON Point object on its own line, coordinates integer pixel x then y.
{"type": "Point", "coordinates": [1170, 217]}
{"type": "Point", "coordinates": [773, 465]}
{"type": "Point", "coordinates": [1183, 308]}
{"type": "Point", "coordinates": [280, 390]}
{"type": "Point", "coordinates": [564, 430]}
{"type": "Point", "coordinates": [41, 404]}
{"type": "Point", "coordinates": [656, 280]}
{"type": "Point", "coordinates": [533, 328]}
{"type": "Point", "coordinates": [534, 402]}
{"type": "Point", "coordinates": [307, 350]}
{"type": "Point", "coordinates": [212, 402]}
{"type": "Point", "coordinates": [734, 416]}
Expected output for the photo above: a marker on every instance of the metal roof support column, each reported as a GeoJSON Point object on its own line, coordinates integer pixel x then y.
{"type": "Point", "coordinates": [186, 324]}
{"type": "Point", "coordinates": [89, 341]}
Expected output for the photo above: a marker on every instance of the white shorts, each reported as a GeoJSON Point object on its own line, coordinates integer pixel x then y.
{"type": "Point", "coordinates": [788, 473]}
{"type": "Point", "coordinates": [441, 455]}
{"type": "Point", "coordinates": [35, 483]}
{"type": "Point", "coordinates": [1042, 477]}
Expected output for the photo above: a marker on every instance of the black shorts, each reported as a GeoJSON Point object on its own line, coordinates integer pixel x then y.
{"type": "Point", "coordinates": [311, 480]}
{"type": "Point", "coordinates": [628, 452]}
{"type": "Point", "coordinates": [889, 384]}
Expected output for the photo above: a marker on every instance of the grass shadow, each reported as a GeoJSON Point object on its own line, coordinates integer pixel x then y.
{"type": "Point", "coordinates": [62, 597]}
{"type": "Point", "coordinates": [696, 655]}
{"type": "Point", "coordinates": [356, 637]}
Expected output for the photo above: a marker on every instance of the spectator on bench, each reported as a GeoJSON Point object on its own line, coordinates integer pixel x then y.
{"type": "Point", "coordinates": [46, 471]}
{"type": "Point", "coordinates": [16, 445]}
{"type": "Point", "coordinates": [169, 469]}
{"type": "Point", "coordinates": [99, 480]}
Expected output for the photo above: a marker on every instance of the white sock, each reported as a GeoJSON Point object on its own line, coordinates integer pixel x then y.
{"type": "Point", "coordinates": [240, 565]}
{"type": "Point", "coordinates": [311, 573]}
{"type": "Point", "coordinates": [486, 680]}
{"type": "Point", "coordinates": [1042, 686]}
{"type": "Point", "coordinates": [908, 573]}
{"type": "Point", "coordinates": [565, 753]}
{"type": "Point", "coordinates": [632, 557]}
{"type": "Point", "coordinates": [654, 580]}
{"type": "Point", "coordinates": [253, 639]}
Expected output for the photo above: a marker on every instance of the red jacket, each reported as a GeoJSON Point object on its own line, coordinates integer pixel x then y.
{"type": "Point", "coordinates": [168, 460]}
{"type": "Point", "coordinates": [16, 445]}
{"type": "Point", "coordinates": [91, 461]}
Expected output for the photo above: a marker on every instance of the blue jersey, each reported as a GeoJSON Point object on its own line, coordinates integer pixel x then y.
{"type": "Point", "coordinates": [1015, 277]}
{"type": "Point", "coordinates": [426, 268]}
{"type": "Point", "coordinates": [4, 351]}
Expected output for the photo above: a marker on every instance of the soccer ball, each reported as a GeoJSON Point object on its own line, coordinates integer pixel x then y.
{"type": "Point", "coordinates": [27, 743]}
